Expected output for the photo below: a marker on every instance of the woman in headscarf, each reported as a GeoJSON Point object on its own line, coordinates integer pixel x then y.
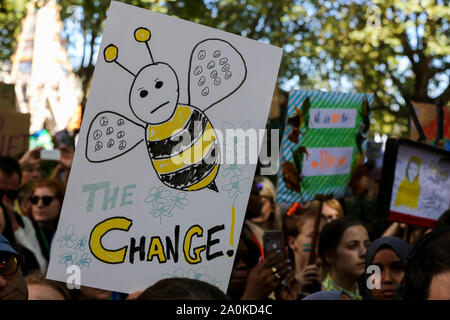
{"type": "Point", "coordinates": [389, 254]}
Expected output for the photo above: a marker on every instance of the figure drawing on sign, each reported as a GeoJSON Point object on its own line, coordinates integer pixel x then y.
{"type": "Point", "coordinates": [409, 190]}
{"type": "Point", "coordinates": [180, 138]}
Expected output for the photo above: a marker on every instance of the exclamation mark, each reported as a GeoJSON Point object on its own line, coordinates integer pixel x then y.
{"type": "Point", "coordinates": [233, 218]}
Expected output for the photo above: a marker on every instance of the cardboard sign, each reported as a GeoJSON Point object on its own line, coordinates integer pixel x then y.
{"type": "Point", "coordinates": [7, 97]}
{"type": "Point", "coordinates": [149, 194]}
{"type": "Point", "coordinates": [323, 140]}
{"type": "Point", "coordinates": [415, 185]}
{"type": "Point", "coordinates": [427, 115]}
{"type": "Point", "coordinates": [14, 133]}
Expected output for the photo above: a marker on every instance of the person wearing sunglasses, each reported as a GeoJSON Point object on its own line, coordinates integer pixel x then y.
{"type": "Point", "coordinates": [18, 229]}
{"type": "Point", "coordinates": [12, 283]}
{"type": "Point", "coordinates": [46, 201]}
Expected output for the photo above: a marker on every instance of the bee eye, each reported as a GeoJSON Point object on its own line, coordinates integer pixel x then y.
{"type": "Point", "coordinates": [143, 93]}
{"type": "Point", "coordinates": [158, 84]}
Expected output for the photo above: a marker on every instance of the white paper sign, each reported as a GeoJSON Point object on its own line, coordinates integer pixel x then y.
{"type": "Point", "coordinates": [332, 118]}
{"type": "Point", "coordinates": [421, 185]}
{"type": "Point", "coordinates": [149, 195]}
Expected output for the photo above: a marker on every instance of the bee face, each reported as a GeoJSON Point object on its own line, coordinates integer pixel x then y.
{"type": "Point", "coordinates": [154, 93]}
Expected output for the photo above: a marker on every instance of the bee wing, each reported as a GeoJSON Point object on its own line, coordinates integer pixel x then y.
{"type": "Point", "coordinates": [216, 70]}
{"type": "Point", "coordinates": [111, 135]}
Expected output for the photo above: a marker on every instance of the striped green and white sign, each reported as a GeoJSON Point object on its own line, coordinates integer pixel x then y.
{"type": "Point", "coordinates": [328, 130]}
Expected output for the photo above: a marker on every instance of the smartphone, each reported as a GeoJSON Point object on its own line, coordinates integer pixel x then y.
{"type": "Point", "coordinates": [273, 240]}
{"type": "Point", "coordinates": [53, 154]}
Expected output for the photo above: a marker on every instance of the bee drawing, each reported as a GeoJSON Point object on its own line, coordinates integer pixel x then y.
{"type": "Point", "coordinates": [181, 141]}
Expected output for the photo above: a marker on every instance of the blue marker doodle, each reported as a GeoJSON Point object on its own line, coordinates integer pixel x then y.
{"type": "Point", "coordinates": [198, 274]}
{"type": "Point", "coordinates": [163, 204]}
{"type": "Point", "coordinates": [84, 261]}
{"type": "Point", "coordinates": [81, 244]}
{"type": "Point", "coordinates": [68, 239]}
{"type": "Point", "coordinates": [180, 200]}
{"type": "Point", "coordinates": [235, 187]}
{"type": "Point", "coordinates": [67, 258]}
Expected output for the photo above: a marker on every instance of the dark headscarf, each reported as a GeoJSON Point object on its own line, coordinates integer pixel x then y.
{"type": "Point", "coordinates": [398, 245]}
{"type": "Point", "coordinates": [324, 295]}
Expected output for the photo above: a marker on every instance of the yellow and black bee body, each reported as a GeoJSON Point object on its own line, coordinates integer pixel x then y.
{"type": "Point", "coordinates": [184, 150]}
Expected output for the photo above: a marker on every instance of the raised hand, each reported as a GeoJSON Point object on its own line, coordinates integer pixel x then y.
{"type": "Point", "coordinates": [67, 154]}
{"type": "Point", "coordinates": [266, 276]}
{"type": "Point", "coordinates": [31, 156]}
{"type": "Point", "coordinates": [310, 279]}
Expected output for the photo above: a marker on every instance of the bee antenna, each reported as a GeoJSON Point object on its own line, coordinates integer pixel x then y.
{"type": "Point", "coordinates": [143, 35]}
{"type": "Point", "coordinates": [111, 53]}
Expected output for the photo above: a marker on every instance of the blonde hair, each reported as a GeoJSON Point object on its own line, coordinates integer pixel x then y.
{"type": "Point", "coordinates": [268, 190]}
{"type": "Point", "coordinates": [336, 205]}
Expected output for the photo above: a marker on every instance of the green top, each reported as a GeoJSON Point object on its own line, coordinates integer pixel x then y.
{"type": "Point", "coordinates": [329, 285]}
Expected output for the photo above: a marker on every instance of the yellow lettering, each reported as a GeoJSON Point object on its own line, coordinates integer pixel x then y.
{"type": "Point", "coordinates": [99, 231]}
{"type": "Point", "coordinates": [194, 230]}
{"type": "Point", "coordinates": [156, 249]}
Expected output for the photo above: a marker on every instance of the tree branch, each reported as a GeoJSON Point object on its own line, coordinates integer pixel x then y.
{"type": "Point", "coordinates": [445, 96]}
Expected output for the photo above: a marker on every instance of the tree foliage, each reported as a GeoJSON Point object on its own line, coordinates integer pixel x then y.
{"type": "Point", "coordinates": [11, 14]}
{"type": "Point", "coordinates": [394, 48]}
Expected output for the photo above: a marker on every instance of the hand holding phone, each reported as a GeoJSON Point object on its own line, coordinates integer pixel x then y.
{"type": "Point", "coordinates": [273, 240]}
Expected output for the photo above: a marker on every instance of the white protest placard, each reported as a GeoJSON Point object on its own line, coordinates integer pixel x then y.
{"type": "Point", "coordinates": [332, 118]}
{"type": "Point", "coordinates": [421, 186]}
{"type": "Point", "coordinates": [150, 195]}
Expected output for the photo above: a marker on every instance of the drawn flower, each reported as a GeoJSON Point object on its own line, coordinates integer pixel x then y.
{"type": "Point", "coordinates": [216, 283]}
{"type": "Point", "coordinates": [180, 200]}
{"type": "Point", "coordinates": [178, 273]}
{"type": "Point", "coordinates": [199, 274]}
{"type": "Point", "coordinates": [233, 140]}
{"type": "Point", "coordinates": [67, 258]}
{"type": "Point", "coordinates": [233, 168]}
{"type": "Point", "coordinates": [157, 195]}
{"type": "Point", "coordinates": [68, 239]}
{"type": "Point", "coordinates": [84, 261]}
{"type": "Point", "coordinates": [81, 244]}
{"type": "Point", "coordinates": [234, 188]}
{"type": "Point", "coordinates": [161, 211]}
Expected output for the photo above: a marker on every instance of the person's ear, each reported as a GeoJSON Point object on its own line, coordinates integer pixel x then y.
{"type": "Point", "coordinates": [330, 258]}
{"type": "Point", "coordinates": [291, 243]}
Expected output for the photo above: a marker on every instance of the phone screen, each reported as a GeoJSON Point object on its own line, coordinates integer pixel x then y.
{"type": "Point", "coordinates": [273, 241]}
{"type": "Point", "coordinates": [53, 154]}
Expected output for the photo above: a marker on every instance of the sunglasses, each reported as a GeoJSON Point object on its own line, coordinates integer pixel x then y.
{"type": "Point", "coordinates": [8, 264]}
{"type": "Point", "coordinates": [11, 194]}
{"type": "Point", "coordinates": [46, 200]}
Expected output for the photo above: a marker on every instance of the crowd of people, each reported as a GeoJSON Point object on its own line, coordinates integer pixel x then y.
{"type": "Point", "coordinates": [334, 249]}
